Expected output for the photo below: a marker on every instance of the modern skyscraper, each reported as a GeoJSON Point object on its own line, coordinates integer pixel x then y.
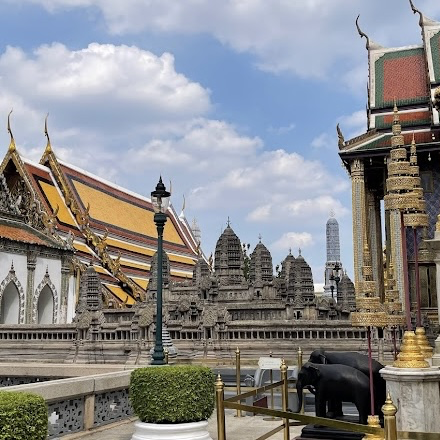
{"type": "Point", "coordinates": [332, 275]}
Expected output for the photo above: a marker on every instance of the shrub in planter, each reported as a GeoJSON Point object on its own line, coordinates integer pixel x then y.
{"type": "Point", "coordinates": [23, 416]}
{"type": "Point", "coordinates": [172, 394]}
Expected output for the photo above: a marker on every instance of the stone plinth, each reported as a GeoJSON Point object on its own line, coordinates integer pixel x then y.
{"type": "Point", "coordinates": [436, 356]}
{"type": "Point", "coordinates": [416, 393]}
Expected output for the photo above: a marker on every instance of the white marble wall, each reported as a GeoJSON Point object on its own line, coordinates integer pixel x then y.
{"type": "Point", "coordinates": [53, 267]}
{"type": "Point", "coordinates": [416, 394]}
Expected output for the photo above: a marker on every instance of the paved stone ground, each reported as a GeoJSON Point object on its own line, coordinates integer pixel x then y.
{"type": "Point", "coordinates": [243, 428]}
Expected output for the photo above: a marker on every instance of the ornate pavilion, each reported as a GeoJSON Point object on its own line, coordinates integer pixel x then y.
{"type": "Point", "coordinates": [402, 109]}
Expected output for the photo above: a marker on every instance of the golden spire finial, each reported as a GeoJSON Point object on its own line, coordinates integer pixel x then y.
{"type": "Point", "coordinates": [12, 142]}
{"type": "Point", "coordinates": [48, 145]}
{"type": "Point", "coordinates": [413, 145]}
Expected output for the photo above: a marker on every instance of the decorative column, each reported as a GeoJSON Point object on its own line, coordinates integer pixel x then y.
{"type": "Point", "coordinates": [369, 313]}
{"type": "Point", "coordinates": [375, 236]}
{"type": "Point", "coordinates": [31, 264]}
{"type": "Point", "coordinates": [359, 215]}
{"type": "Point", "coordinates": [65, 274]}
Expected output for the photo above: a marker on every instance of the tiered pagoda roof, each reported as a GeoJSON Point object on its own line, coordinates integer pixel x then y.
{"type": "Point", "coordinates": [112, 228]}
{"type": "Point", "coordinates": [409, 76]}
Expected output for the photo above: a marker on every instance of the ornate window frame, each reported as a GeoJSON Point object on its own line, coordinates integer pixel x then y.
{"type": "Point", "coordinates": [46, 281]}
{"type": "Point", "coordinates": [12, 278]}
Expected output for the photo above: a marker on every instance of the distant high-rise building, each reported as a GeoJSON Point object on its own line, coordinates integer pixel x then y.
{"type": "Point", "coordinates": [333, 257]}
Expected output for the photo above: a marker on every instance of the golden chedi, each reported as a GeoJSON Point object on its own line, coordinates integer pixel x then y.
{"type": "Point", "coordinates": [410, 355]}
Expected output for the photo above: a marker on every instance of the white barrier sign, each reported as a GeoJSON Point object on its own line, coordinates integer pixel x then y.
{"type": "Point", "coordinates": [269, 363]}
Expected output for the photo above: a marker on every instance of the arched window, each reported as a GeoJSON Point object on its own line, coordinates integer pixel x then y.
{"type": "Point", "coordinates": [10, 305]}
{"type": "Point", "coordinates": [45, 306]}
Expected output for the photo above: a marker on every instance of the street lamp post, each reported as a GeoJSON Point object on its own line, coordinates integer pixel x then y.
{"type": "Point", "coordinates": [160, 198]}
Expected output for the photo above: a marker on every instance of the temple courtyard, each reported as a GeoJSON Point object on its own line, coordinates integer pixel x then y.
{"type": "Point", "coordinates": [243, 428]}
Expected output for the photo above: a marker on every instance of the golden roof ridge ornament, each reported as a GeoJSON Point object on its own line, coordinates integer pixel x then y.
{"type": "Point", "coordinates": [12, 146]}
{"type": "Point", "coordinates": [46, 133]}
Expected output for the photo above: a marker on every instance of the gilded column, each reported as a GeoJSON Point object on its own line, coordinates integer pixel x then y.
{"type": "Point", "coordinates": [65, 274]}
{"type": "Point", "coordinates": [31, 263]}
{"type": "Point", "coordinates": [359, 215]}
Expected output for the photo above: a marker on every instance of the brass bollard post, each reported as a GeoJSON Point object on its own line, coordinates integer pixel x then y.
{"type": "Point", "coordinates": [299, 365]}
{"type": "Point", "coordinates": [237, 376]}
{"type": "Point", "coordinates": [285, 398]}
{"type": "Point", "coordinates": [300, 358]}
{"type": "Point", "coordinates": [389, 412]}
{"type": "Point", "coordinates": [166, 353]}
{"type": "Point", "coordinates": [220, 396]}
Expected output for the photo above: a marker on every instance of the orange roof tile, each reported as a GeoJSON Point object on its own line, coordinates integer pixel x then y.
{"type": "Point", "coordinates": [25, 236]}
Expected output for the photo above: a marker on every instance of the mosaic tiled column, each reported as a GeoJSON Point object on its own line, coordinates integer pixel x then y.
{"type": "Point", "coordinates": [31, 263]}
{"type": "Point", "coordinates": [396, 251]}
{"type": "Point", "coordinates": [359, 217]}
{"type": "Point", "coordinates": [375, 239]}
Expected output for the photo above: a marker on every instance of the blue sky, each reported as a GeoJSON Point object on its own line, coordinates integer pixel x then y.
{"type": "Point", "coordinates": [234, 101]}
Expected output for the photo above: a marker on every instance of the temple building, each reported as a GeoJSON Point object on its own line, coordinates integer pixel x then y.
{"type": "Point", "coordinates": [56, 220]}
{"type": "Point", "coordinates": [403, 106]}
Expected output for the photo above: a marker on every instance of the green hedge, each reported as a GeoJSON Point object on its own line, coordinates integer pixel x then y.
{"type": "Point", "coordinates": [23, 416]}
{"type": "Point", "coordinates": [172, 394]}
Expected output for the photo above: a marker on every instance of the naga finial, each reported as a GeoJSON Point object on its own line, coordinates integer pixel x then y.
{"type": "Point", "coordinates": [416, 11]}
{"type": "Point", "coordinates": [362, 34]}
{"type": "Point", "coordinates": [341, 140]}
{"type": "Point", "coordinates": [46, 133]}
{"type": "Point", "coordinates": [12, 142]}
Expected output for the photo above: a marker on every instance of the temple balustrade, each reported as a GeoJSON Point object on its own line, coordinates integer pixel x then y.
{"type": "Point", "coordinates": [77, 404]}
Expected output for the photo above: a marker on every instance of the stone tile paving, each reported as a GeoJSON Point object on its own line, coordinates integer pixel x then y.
{"type": "Point", "coordinates": [243, 428]}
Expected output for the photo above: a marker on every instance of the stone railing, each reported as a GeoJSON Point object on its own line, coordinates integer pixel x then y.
{"type": "Point", "coordinates": [32, 332]}
{"type": "Point", "coordinates": [81, 403]}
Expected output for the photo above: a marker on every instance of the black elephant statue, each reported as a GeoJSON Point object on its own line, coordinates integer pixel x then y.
{"type": "Point", "coordinates": [360, 362]}
{"type": "Point", "coordinates": [334, 384]}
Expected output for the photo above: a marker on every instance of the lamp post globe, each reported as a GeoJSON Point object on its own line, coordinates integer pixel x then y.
{"type": "Point", "coordinates": [160, 199]}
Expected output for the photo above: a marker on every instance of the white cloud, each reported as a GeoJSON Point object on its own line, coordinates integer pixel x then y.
{"type": "Point", "coordinates": [324, 140]}
{"type": "Point", "coordinates": [308, 38]}
{"type": "Point", "coordinates": [354, 124]}
{"type": "Point", "coordinates": [102, 83]}
{"type": "Point", "coordinates": [307, 208]}
{"type": "Point", "coordinates": [260, 213]}
{"type": "Point", "coordinates": [283, 129]}
{"type": "Point", "coordinates": [293, 240]}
